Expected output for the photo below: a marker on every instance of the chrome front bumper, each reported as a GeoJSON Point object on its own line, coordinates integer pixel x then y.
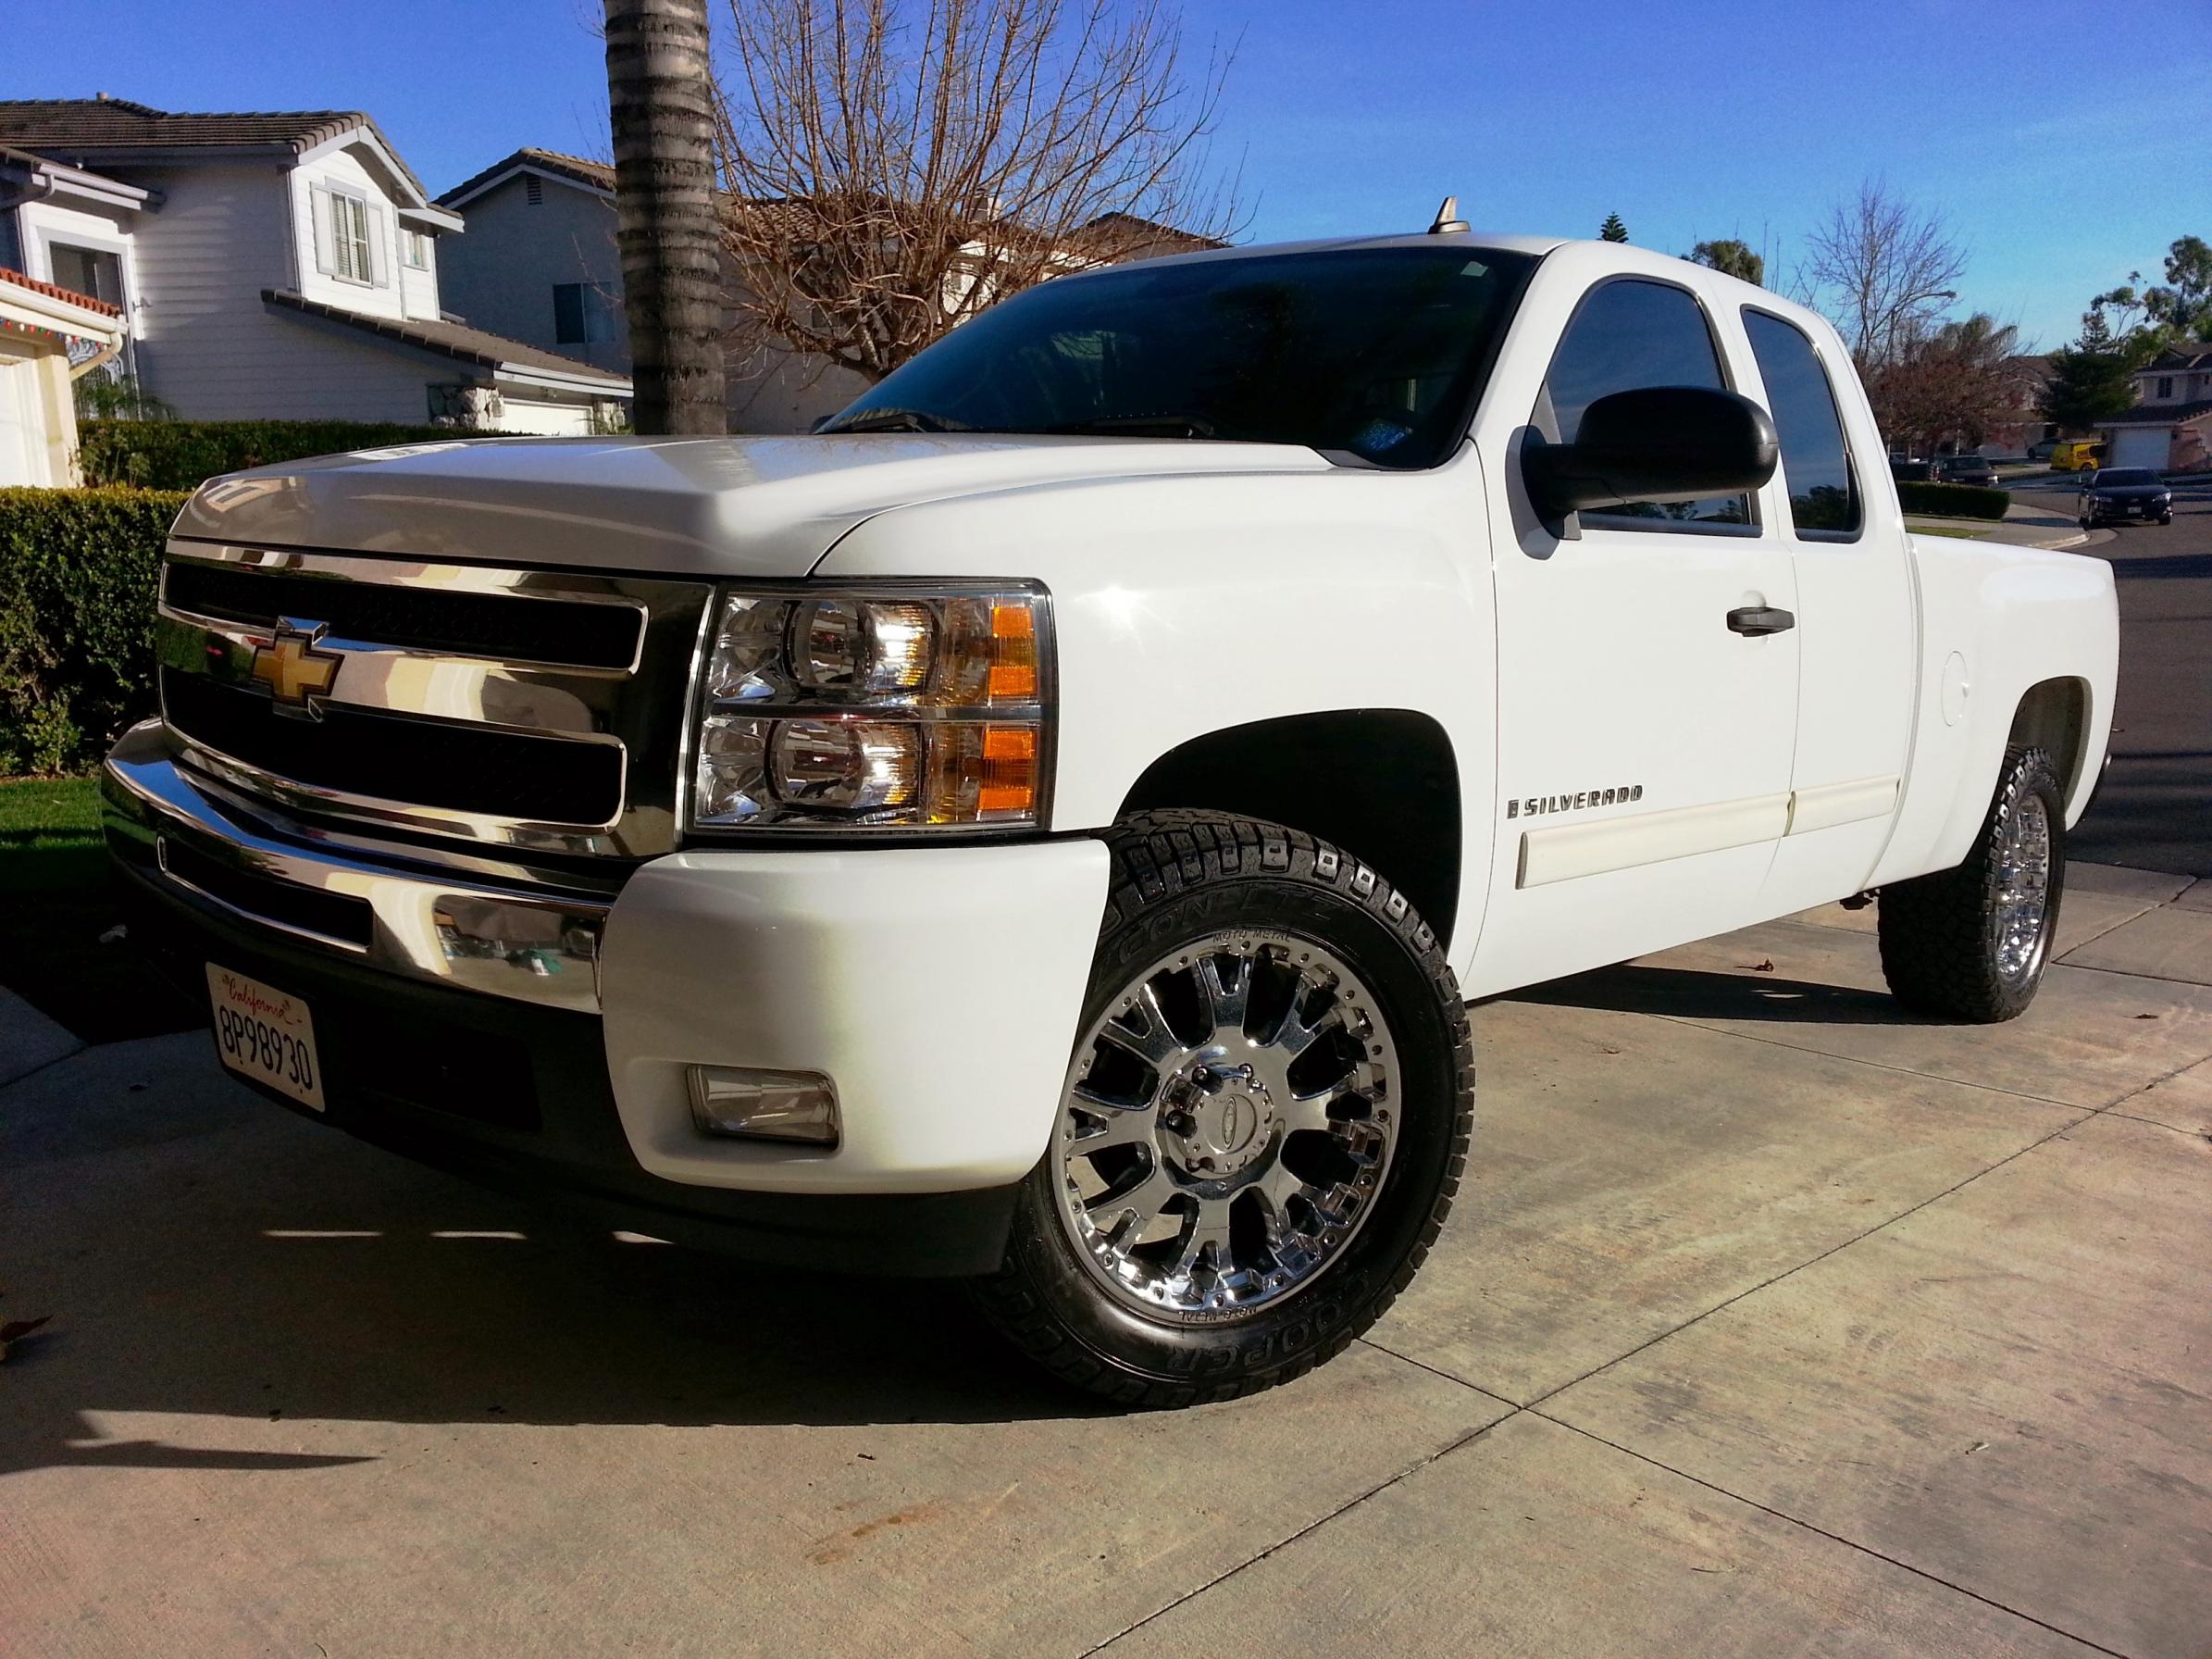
{"type": "Point", "coordinates": [480, 933]}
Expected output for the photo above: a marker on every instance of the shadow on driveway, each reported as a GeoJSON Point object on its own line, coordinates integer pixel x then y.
{"type": "Point", "coordinates": [1694, 993]}
{"type": "Point", "coordinates": [225, 1260]}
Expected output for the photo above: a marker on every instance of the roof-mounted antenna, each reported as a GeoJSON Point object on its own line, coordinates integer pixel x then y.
{"type": "Point", "coordinates": [1448, 218]}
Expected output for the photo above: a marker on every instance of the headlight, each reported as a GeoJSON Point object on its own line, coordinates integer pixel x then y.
{"type": "Point", "coordinates": [891, 709]}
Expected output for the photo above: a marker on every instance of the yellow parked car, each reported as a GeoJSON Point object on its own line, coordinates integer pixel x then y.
{"type": "Point", "coordinates": [2078, 454]}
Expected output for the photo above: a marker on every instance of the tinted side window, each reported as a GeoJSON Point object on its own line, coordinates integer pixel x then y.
{"type": "Point", "coordinates": [1626, 335]}
{"type": "Point", "coordinates": [1816, 465]}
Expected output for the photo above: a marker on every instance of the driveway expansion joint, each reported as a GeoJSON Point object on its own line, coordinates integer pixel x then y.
{"type": "Point", "coordinates": [2084, 1114]}
{"type": "Point", "coordinates": [1818, 1532]}
{"type": "Point", "coordinates": [1316, 1523]}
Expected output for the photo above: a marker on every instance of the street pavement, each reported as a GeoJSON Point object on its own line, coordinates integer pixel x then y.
{"type": "Point", "coordinates": [2155, 812]}
{"type": "Point", "coordinates": [1773, 1321]}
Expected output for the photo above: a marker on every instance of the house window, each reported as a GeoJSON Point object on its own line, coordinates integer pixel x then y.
{"type": "Point", "coordinates": [581, 315]}
{"type": "Point", "coordinates": [349, 238]}
{"type": "Point", "coordinates": [94, 271]}
{"type": "Point", "coordinates": [2166, 387]}
{"type": "Point", "coordinates": [418, 251]}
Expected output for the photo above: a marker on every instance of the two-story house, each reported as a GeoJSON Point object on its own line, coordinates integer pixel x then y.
{"type": "Point", "coordinates": [2170, 425]}
{"type": "Point", "coordinates": [271, 266]}
{"type": "Point", "coordinates": [540, 262]}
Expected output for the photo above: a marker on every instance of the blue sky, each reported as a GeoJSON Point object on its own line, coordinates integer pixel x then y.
{"type": "Point", "coordinates": [2067, 145]}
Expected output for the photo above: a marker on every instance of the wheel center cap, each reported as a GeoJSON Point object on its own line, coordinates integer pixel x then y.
{"type": "Point", "coordinates": [1227, 1122]}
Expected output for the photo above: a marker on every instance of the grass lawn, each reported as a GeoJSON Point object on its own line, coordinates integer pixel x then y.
{"type": "Point", "coordinates": [55, 903]}
{"type": "Point", "coordinates": [1947, 530]}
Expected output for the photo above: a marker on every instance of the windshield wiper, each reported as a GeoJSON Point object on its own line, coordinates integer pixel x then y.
{"type": "Point", "coordinates": [1171, 426]}
{"type": "Point", "coordinates": [899, 420]}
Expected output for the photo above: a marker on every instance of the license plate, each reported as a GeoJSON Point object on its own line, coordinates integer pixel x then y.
{"type": "Point", "coordinates": [265, 1034]}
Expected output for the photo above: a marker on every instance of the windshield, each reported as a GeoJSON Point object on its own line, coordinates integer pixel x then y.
{"type": "Point", "coordinates": [1377, 351]}
{"type": "Point", "coordinates": [2127, 475]}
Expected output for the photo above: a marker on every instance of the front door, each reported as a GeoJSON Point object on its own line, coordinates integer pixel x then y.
{"type": "Point", "coordinates": [1645, 736]}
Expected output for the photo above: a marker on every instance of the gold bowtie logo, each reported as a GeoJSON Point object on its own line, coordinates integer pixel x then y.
{"type": "Point", "coordinates": [293, 669]}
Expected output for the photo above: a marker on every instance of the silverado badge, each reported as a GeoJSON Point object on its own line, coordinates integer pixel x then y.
{"type": "Point", "coordinates": [293, 669]}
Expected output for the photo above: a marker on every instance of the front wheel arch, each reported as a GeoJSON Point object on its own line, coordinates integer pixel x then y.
{"type": "Point", "coordinates": [1381, 783]}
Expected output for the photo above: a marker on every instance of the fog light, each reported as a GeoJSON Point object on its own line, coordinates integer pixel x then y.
{"type": "Point", "coordinates": [768, 1105]}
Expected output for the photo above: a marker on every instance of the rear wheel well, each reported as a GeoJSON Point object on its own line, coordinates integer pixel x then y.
{"type": "Point", "coordinates": [2054, 716]}
{"type": "Point", "coordinates": [1380, 783]}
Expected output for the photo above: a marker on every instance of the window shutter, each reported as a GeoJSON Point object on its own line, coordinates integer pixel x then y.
{"type": "Point", "coordinates": [318, 206]}
{"type": "Point", "coordinates": [380, 249]}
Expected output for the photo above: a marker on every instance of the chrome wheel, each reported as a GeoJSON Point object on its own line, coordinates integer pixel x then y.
{"type": "Point", "coordinates": [1226, 1126]}
{"type": "Point", "coordinates": [2023, 887]}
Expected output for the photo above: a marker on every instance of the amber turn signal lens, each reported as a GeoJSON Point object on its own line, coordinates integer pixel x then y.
{"type": "Point", "coordinates": [1009, 783]}
{"type": "Point", "coordinates": [1014, 653]}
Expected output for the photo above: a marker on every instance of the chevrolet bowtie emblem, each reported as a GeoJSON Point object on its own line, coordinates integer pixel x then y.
{"type": "Point", "coordinates": [293, 669]}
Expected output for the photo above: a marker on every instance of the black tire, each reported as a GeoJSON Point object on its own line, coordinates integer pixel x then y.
{"type": "Point", "coordinates": [1940, 933]}
{"type": "Point", "coordinates": [1179, 877]}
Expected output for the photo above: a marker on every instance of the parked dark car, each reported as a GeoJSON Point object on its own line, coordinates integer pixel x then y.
{"type": "Point", "coordinates": [1967, 470]}
{"type": "Point", "coordinates": [2112, 494]}
{"type": "Point", "coordinates": [2041, 449]}
{"type": "Point", "coordinates": [1911, 472]}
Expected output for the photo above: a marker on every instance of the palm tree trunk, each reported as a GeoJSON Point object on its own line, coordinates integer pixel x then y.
{"type": "Point", "coordinates": [670, 236]}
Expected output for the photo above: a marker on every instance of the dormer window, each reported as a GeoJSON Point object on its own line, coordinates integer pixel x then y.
{"type": "Point", "coordinates": [349, 238]}
{"type": "Point", "coordinates": [2166, 387]}
{"type": "Point", "coordinates": [352, 237]}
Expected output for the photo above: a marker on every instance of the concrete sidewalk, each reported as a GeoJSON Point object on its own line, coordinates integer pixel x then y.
{"type": "Point", "coordinates": [2022, 527]}
{"type": "Point", "coordinates": [1773, 1321]}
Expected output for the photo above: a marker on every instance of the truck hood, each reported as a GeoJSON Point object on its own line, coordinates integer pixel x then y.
{"type": "Point", "coordinates": [760, 506]}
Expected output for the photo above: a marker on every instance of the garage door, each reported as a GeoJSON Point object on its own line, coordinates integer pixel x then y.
{"type": "Point", "coordinates": [2139, 446]}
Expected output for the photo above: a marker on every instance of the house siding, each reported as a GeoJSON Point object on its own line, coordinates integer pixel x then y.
{"type": "Point", "coordinates": [501, 274]}
{"type": "Point", "coordinates": [208, 347]}
{"type": "Point", "coordinates": [783, 393]}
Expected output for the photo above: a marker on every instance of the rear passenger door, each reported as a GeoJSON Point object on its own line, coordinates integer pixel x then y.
{"type": "Point", "coordinates": [1644, 743]}
{"type": "Point", "coordinates": [1857, 646]}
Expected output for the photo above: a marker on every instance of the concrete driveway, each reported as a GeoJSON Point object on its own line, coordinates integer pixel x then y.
{"type": "Point", "coordinates": [1775, 1322]}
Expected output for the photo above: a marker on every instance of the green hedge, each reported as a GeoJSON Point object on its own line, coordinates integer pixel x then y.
{"type": "Point", "coordinates": [1953, 501]}
{"type": "Point", "coordinates": [180, 454]}
{"type": "Point", "coordinates": [77, 582]}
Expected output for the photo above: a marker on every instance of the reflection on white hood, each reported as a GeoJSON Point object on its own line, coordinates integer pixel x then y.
{"type": "Point", "coordinates": [764, 506]}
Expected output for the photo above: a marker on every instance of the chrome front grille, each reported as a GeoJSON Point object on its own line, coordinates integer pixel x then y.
{"type": "Point", "coordinates": [530, 709]}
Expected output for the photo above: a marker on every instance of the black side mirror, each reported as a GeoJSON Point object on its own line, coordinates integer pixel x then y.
{"type": "Point", "coordinates": [1654, 443]}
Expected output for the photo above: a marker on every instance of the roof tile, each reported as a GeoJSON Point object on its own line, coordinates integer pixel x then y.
{"type": "Point", "coordinates": [2160, 413]}
{"type": "Point", "coordinates": [53, 290]}
{"type": "Point", "coordinates": [88, 128]}
{"type": "Point", "coordinates": [453, 340]}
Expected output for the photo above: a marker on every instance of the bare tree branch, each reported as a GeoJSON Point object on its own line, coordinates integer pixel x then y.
{"type": "Point", "coordinates": [1883, 270]}
{"type": "Point", "coordinates": [893, 166]}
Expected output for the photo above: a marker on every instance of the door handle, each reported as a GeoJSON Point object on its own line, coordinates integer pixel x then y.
{"type": "Point", "coordinates": [1757, 619]}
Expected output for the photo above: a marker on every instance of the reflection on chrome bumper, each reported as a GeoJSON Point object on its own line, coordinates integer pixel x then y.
{"type": "Point", "coordinates": [475, 936]}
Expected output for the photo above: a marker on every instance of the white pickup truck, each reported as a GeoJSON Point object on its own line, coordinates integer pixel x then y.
{"type": "Point", "coordinates": [1047, 826]}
